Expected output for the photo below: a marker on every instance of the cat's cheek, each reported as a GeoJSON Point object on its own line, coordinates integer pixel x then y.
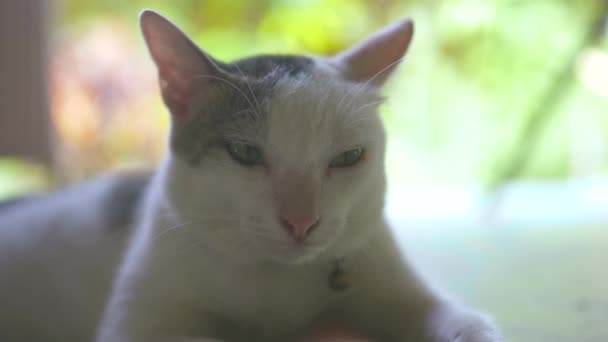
{"type": "Point", "coordinates": [335, 172]}
{"type": "Point", "coordinates": [345, 176]}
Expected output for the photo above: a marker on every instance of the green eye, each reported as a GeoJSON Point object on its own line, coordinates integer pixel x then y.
{"type": "Point", "coordinates": [245, 154]}
{"type": "Point", "coordinates": [348, 158]}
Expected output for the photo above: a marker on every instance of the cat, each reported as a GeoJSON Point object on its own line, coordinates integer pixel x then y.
{"type": "Point", "coordinates": [264, 221]}
{"type": "Point", "coordinates": [275, 180]}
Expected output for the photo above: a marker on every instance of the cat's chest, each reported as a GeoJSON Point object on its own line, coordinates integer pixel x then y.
{"type": "Point", "coordinates": [263, 301]}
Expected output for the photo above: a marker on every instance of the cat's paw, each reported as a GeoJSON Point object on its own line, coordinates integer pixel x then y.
{"type": "Point", "coordinates": [477, 334]}
{"type": "Point", "coordinates": [477, 329]}
{"type": "Point", "coordinates": [456, 325]}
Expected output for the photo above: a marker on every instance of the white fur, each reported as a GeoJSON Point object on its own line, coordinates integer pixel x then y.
{"type": "Point", "coordinates": [221, 259]}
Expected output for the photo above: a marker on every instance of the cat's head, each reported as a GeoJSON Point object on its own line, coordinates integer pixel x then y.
{"type": "Point", "coordinates": [276, 157]}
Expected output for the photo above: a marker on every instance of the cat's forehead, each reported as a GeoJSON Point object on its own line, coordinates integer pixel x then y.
{"type": "Point", "coordinates": [265, 67]}
{"type": "Point", "coordinates": [305, 100]}
{"type": "Point", "coordinates": [315, 111]}
{"type": "Point", "coordinates": [291, 106]}
{"type": "Point", "coordinates": [291, 92]}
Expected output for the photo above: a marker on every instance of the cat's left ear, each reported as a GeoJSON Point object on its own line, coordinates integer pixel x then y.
{"type": "Point", "coordinates": [183, 69]}
{"type": "Point", "coordinates": [376, 57]}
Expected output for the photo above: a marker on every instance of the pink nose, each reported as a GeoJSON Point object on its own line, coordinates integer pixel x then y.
{"type": "Point", "coordinates": [299, 228]}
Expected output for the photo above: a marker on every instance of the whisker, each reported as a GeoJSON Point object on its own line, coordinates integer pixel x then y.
{"type": "Point", "coordinates": [371, 104]}
{"type": "Point", "coordinates": [250, 90]}
{"type": "Point", "coordinates": [363, 86]}
{"type": "Point", "coordinates": [200, 220]}
{"type": "Point", "coordinates": [163, 232]}
{"type": "Point", "coordinates": [384, 69]}
{"type": "Point", "coordinates": [230, 84]}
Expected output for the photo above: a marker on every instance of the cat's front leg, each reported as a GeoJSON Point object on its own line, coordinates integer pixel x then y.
{"type": "Point", "coordinates": [138, 313]}
{"type": "Point", "coordinates": [388, 301]}
{"type": "Point", "coordinates": [149, 324]}
{"type": "Point", "coordinates": [395, 317]}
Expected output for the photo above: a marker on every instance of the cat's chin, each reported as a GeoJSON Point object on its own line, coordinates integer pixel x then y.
{"type": "Point", "coordinates": [293, 254]}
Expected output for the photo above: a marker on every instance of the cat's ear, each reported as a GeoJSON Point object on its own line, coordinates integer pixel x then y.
{"type": "Point", "coordinates": [376, 57]}
{"type": "Point", "coordinates": [183, 69]}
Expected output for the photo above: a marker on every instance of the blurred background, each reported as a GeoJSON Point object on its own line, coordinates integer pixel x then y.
{"type": "Point", "coordinates": [497, 124]}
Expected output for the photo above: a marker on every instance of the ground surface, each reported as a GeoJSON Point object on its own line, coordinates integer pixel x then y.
{"type": "Point", "coordinates": [543, 275]}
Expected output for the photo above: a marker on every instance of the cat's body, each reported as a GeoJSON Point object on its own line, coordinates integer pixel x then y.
{"type": "Point", "coordinates": [273, 182]}
{"type": "Point", "coordinates": [57, 269]}
{"type": "Point", "coordinates": [58, 254]}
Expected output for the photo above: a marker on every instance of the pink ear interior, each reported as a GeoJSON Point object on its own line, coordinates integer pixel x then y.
{"type": "Point", "coordinates": [375, 58]}
{"type": "Point", "coordinates": [179, 62]}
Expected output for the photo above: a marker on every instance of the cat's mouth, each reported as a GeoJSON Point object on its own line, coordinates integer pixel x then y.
{"type": "Point", "coordinates": [293, 252]}
{"type": "Point", "coordinates": [274, 243]}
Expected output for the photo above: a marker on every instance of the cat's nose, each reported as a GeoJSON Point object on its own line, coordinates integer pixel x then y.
{"type": "Point", "coordinates": [300, 227]}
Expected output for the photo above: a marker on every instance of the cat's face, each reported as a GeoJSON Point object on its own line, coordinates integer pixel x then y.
{"type": "Point", "coordinates": [272, 157]}
{"type": "Point", "coordinates": [312, 154]}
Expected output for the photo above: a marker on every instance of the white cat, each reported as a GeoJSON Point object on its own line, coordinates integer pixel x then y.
{"type": "Point", "coordinates": [263, 223]}
{"type": "Point", "coordinates": [275, 180]}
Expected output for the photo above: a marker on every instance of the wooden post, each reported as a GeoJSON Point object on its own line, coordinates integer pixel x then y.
{"type": "Point", "coordinates": [25, 124]}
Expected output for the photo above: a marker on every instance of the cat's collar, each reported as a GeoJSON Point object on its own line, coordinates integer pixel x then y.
{"type": "Point", "coordinates": [339, 279]}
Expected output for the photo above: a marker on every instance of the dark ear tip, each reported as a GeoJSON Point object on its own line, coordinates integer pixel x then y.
{"type": "Point", "coordinates": [407, 24]}
{"type": "Point", "coordinates": [144, 17]}
{"type": "Point", "coordinates": [147, 15]}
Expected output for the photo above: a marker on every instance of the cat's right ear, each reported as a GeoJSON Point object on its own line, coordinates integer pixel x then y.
{"type": "Point", "coordinates": [375, 58]}
{"type": "Point", "coordinates": [183, 69]}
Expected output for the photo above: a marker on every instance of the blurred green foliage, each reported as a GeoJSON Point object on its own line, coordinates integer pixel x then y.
{"type": "Point", "coordinates": [477, 73]}
{"type": "Point", "coordinates": [17, 176]}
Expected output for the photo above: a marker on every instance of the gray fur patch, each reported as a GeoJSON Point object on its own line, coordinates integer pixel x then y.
{"type": "Point", "coordinates": [235, 107]}
{"type": "Point", "coordinates": [121, 202]}
{"type": "Point", "coordinates": [265, 66]}
{"type": "Point", "coordinates": [15, 202]}
{"type": "Point", "coordinates": [111, 203]}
